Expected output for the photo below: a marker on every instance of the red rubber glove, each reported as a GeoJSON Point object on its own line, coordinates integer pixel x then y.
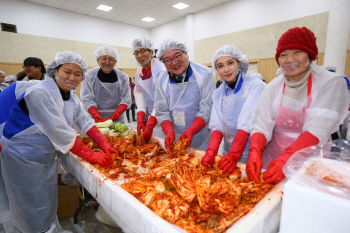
{"type": "Point", "coordinates": [117, 113]}
{"type": "Point", "coordinates": [275, 171]}
{"type": "Point", "coordinates": [148, 130]}
{"type": "Point", "coordinates": [95, 114]}
{"type": "Point", "coordinates": [0, 148]}
{"type": "Point", "coordinates": [228, 162]}
{"type": "Point", "coordinates": [168, 130]}
{"type": "Point", "coordinates": [209, 158]}
{"type": "Point", "coordinates": [101, 141]}
{"type": "Point", "coordinates": [140, 122]}
{"type": "Point", "coordinates": [254, 164]}
{"type": "Point", "coordinates": [197, 124]}
{"type": "Point", "coordinates": [85, 152]}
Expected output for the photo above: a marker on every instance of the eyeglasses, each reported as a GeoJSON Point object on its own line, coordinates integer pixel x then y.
{"type": "Point", "coordinates": [107, 59]}
{"type": "Point", "coordinates": [142, 51]}
{"type": "Point", "coordinates": [177, 57]}
{"type": "Point", "coordinates": [26, 67]}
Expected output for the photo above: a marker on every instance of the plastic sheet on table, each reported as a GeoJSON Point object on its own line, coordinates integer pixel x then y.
{"type": "Point", "coordinates": [324, 168]}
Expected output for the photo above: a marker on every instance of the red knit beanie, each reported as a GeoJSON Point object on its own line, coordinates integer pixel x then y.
{"type": "Point", "coordinates": [298, 39]}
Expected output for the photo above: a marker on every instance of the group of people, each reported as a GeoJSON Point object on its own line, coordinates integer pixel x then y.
{"type": "Point", "coordinates": [262, 125]}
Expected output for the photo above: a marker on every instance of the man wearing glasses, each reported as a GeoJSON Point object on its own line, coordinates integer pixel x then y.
{"type": "Point", "coordinates": [145, 82]}
{"type": "Point", "coordinates": [105, 92]}
{"type": "Point", "coordinates": [183, 98]}
{"type": "Point", "coordinates": [34, 68]}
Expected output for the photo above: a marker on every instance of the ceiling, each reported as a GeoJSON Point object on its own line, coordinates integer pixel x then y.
{"type": "Point", "coordinates": [132, 11]}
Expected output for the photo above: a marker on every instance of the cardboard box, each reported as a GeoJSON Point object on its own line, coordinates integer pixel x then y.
{"type": "Point", "coordinates": [68, 201]}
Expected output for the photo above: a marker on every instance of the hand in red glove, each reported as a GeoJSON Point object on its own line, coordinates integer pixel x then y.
{"type": "Point", "coordinates": [228, 162]}
{"type": "Point", "coordinates": [197, 124]}
{"type": "Point", "coordinates": [95, 114]}
{"type": "Point", "coordinates": [148, 130]}
{"type": "Point", "coordinates": [254, 164]}
{"type": "Point", "coordinates": [101, 141]}
{"type": "Point", "coordinates": [117, 113]}
{"type": "Point", "coordinates": [140, 122]}
{"type": "Point", "coordinates": [85, 152]}
{"type": "Point", "coordinates": [168, 130]}
{"type": "Point", "coordinates": [209, 158]}
{"type": "Point", "coordinates": [0, 148]}
{"type": "Point", "coordinates": [275, 171]}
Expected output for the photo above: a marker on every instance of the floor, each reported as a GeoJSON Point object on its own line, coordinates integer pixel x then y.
{"type": "Point", "coordinates": [87, 222]}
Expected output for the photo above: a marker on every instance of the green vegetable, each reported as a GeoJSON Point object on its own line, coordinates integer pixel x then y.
{"type": "Point", "coordinates": [119, 127]}
{"type": "Point", "coordinates": [127, 133]}
{"type": "Point", "coordinates": [104, 130]}
{"type": "Point", "coordinates": [106, 124]}
{"type": "Point", "coordinates": [113, 133]}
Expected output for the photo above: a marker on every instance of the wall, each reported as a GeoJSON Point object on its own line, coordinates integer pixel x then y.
{"type": "Point", "coordinates": [43, 31]}
{"type": "Point", "coordinates": [35, 19]}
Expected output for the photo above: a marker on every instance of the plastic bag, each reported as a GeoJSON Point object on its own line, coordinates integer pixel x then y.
{"type": "Point", "coordinates": [326, 169]}
{"type": "Point", "coordinates": [66, 176]}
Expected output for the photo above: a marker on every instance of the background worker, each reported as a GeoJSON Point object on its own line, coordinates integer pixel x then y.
{"type": "Point", "coordinates": [183, 96]}
{"type": "Point", "coordinates": [105, 93]}
{"type": "Point", "coordinates": [145, 87]}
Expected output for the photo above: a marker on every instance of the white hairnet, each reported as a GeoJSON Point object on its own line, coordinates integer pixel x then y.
{"type": "Point", "coordinates": [231, 51]}
{"type": "Point", "coordinates": [279, 72]}
{"type": "Point", "coordinates": [329, 68]}
{"type": "Point", "coordinates": [143, 42]}
{"type": "Point", "coordinates": [66, 57]}
{"type": "Point", "coordinates": [10, 78]}
{"type": "Point", "coordinates": [2, 72]}
{"type": "Point", "coordinates": [106, 50]}
{"type": "Point", "coordinates": [169, 44]}
{"type": "Point", "coordinates": [257, 75]}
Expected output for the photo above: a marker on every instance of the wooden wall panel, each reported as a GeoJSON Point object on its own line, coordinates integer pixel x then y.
{"type": "Point", "coordinates": [320, 59]}
{"type": "Point", "coordinates": [10, 68]}
{"type": "Point", "coordinates": [267, 67]}
{"type": "Point", "coordinates": [347, 64]}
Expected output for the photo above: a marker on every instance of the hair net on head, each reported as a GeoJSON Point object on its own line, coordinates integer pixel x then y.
{"type": "Point", "coordinates": [106, 50]}
{"type": "Point", "coordinates": [231, 51]}
{"type": "Point", "coordinates": [329, 68]}
{"type": "Point", "coordinates": [10, 78]}
{"type": "Point", "coordinates": [169, 44]}
{"type": "Point", "coordinates": [66, 57]}
{"type": "Point", "coordinates": [2, 72]}
{"type": "Point", "coordinates": [257, 75]}
{"type": "Point", "coordinates": [143, 42]}
{"type": "Point", "coordinates": [279, 72]}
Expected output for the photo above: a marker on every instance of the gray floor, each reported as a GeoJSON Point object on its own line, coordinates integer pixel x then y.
{"type": "Point", "coordinates": [88, 223]}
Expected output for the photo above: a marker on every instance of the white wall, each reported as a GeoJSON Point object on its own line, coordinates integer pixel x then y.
{"type": "Point", "coordinates": [175, 29]}
{"type": "Point", "coordinates": [39, 20]}
{"type": "Point", "coordinates": [241, 15]}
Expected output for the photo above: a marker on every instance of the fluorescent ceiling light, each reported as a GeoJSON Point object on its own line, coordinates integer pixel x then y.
{"type": "Point", "coordinates": [104, 8]}
{"type": "Point", "coordinates": [180, 6]}
{"type": "Point", "coordinates": [147, 19]}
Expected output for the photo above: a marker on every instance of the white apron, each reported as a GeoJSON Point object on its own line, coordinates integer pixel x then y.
{"type": "Point", "coordinates": [184, 106]}
{"type": "Point", "coordinates": [288, 126]}
{"type": "Point", "coordinates": [232, 106]}
{"type": "Point", "coordinates": [30, 167]}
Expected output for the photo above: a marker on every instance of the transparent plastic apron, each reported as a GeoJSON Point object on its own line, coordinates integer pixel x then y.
{"type": "Point", "coordinates": [33, 191]}
{"type": "Point", "coordinates": [108, 98]}
{"type": "Point", "coordinates": [288, 123]}
{"type": "Point", "coordinates": [148, 92]}
{"type": "Point", "coordinates": [232, 106]}
{"type": "Point", "coordinates": [4, 201]}
{"type": "Point", "coordinates": [184, 106]}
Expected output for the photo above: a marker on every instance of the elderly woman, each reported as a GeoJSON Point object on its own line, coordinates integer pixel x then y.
{"type": "Point", "coordinates": [105, 93]}
{"type": "Point", "coordinates": [145, 86]}
{"type": "Point", "coordinates": [233, 103]}
{"type": "Point", "coordinates": [183, 96]}
{"type": "Point", "coordinates": [44, 120]}
{"type": "Point", "coordinates": [300, 108]}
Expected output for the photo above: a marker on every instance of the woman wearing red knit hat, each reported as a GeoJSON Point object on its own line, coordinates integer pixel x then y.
{"type": "Point", "coordinates": [300, 108]}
